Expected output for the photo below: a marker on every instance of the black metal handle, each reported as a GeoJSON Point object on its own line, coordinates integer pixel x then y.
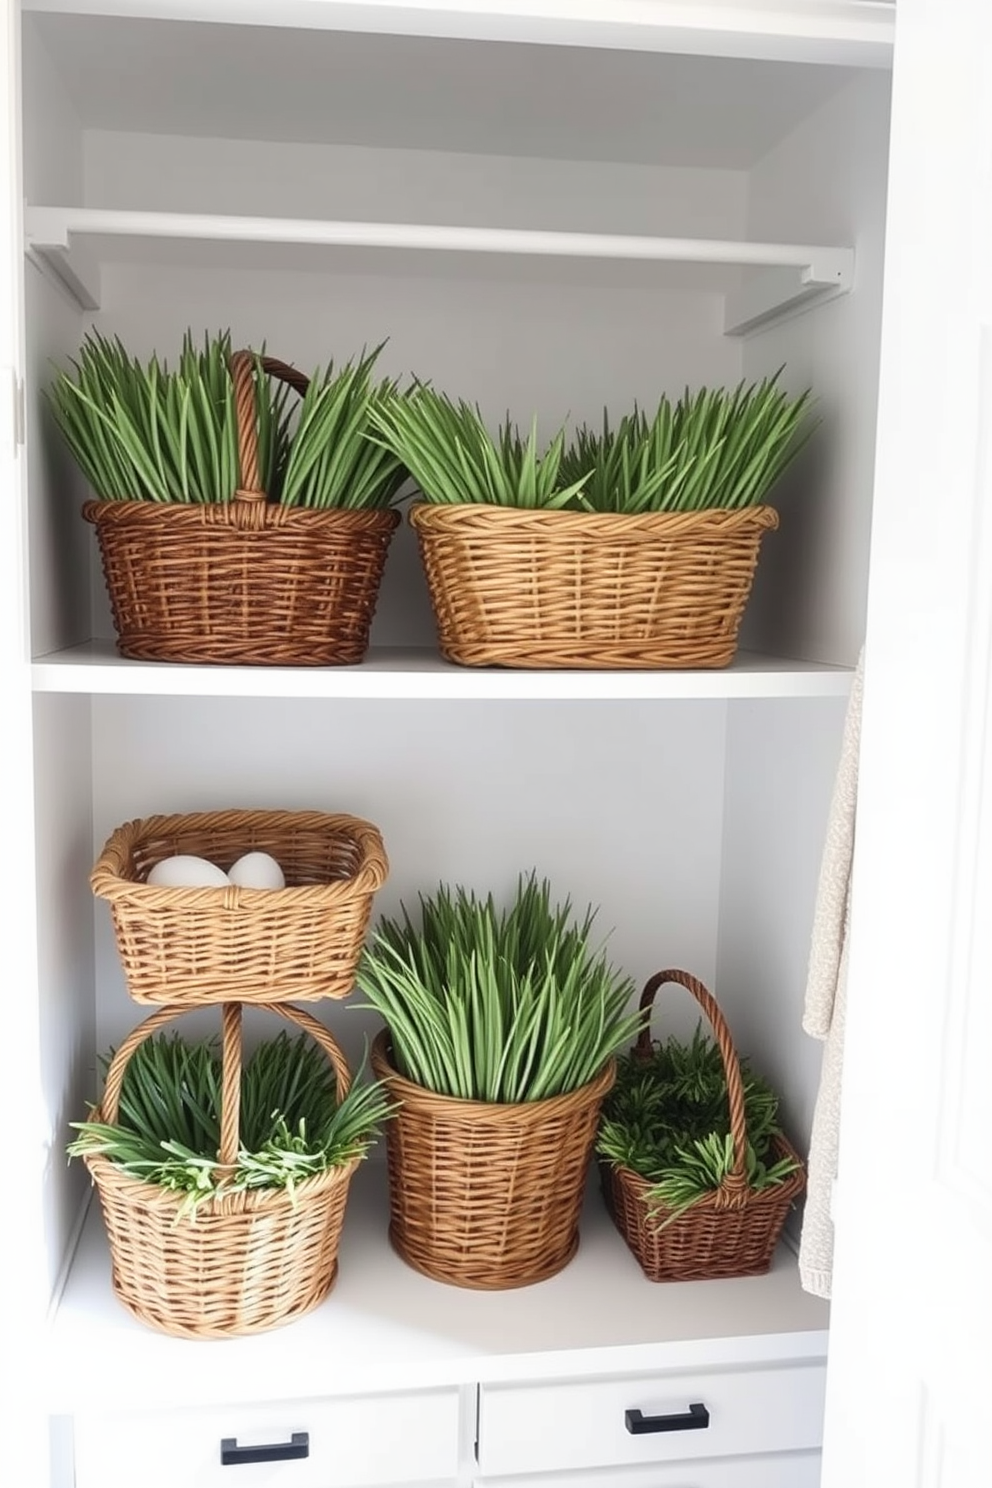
{"type": "Point", "coordinates": [231, 1455]}
{"type": "Point", "coordinates": [696, 1418]}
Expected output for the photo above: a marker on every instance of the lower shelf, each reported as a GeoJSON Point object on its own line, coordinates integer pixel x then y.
{"type": "Point", "coordinates": [386, 1327]}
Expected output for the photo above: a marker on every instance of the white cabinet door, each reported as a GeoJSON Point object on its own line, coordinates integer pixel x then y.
{"type": "Point", "coordinates": [910, 1376]}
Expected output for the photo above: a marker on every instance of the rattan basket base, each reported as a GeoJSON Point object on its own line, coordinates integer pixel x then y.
{"type": "Point", "coordinates": [219, 584]}
{"type": "Point", "coordinates": [487, 1197]}
{"type": "Point", "coordinates": [568, 590]}
{"type": "Point", "coordinates": [706, 1242]}
{"type": "Point", "coordinates": [238, 1268]}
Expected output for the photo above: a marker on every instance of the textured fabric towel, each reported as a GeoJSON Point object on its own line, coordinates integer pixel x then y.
{"type": "Point", "coordinates": [825, 1003]}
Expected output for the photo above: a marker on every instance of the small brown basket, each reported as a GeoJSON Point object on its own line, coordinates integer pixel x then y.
{"type": "Point", "coordinates": [246, 581]}
{"type": "Point", "coordinates": [731, 1232]}
{"type": "Point", "coordinates": [244, 1263]}
{"type": "Point", "coordinates": [588, 589]}
{"type": "Point", "coordinates": [187, 947]}
{"type": "Point", "coordinates": [482, 1195]}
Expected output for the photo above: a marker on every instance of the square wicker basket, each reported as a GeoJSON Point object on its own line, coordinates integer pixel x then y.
{"type": "Point", "coordinates": [184, 947]}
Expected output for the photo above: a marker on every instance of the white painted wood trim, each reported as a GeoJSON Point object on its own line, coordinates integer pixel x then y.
{"type": "Point", "coordinates": [842, 32]}
{"type": "Point", "coordinates": [422, 674]}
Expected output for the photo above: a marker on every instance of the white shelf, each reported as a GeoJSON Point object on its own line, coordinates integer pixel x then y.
{"type": "Point", "coordinates": [70, 243]}
{"type": "Point", "coordinates": [421, 675]}
{"type": "Point", "coordinates": [385, 1326]}
{"type": "Point", "coordinates": [852, 32]}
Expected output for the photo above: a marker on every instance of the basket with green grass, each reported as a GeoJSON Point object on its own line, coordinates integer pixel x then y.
{"type": "Point", "coordinates": [223, 1182]}
{"type": "Point", "coordinates": [696, 1172]}
{"type": "Point", "coordinates": [501, 1030]}
{"type": "Point", "coordinates": [230, 529]}
{"type": "Point", "coordinates": [634, 546]}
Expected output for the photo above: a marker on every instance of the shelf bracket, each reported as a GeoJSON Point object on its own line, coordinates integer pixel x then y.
{"type": "Point", "coordinates": [62, 257]}
{"type": "Point", "coordinates": [775, 294]}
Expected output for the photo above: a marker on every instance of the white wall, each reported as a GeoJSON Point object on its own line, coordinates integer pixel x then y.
{"type": "Point", "coordinates": [620, 807]}
{"type": "Point", "coordinates": [825, 183]}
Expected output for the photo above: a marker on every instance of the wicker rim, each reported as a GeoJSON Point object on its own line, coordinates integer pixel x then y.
{"type": "Point", "coordinates": [108, 877]}
{"type": "Point", "coordinates": [607, 527]}
{"type": "Point", "coordinates": [481, 1113]}
{"type": "Point", "coordinates": [734, 1191]}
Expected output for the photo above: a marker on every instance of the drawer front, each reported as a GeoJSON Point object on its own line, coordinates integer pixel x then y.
{"type": "Point", "coordinates": [351, 1442]}
{"type": "Point", "coordinates": [593, 1423]}
{"type": "Point", "coordinates": [786, 1470]}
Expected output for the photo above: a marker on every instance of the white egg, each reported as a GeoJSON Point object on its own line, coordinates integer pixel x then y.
{"type": "Point", "coordinates": [257, 870]}
{"type": "Point", "coordinates": [187, 872]}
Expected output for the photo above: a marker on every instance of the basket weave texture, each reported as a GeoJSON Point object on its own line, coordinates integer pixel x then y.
{"type": "Point", "coordinates": [588, 589]}
{"type": "Point", "coordinates": [248, 1262]}
{"type": "Point", "coordinates": [243, 581]}
{"type": "Point", "coordinates": [187, 947]}
{"type": "Point", "coordinates": [487, 1196]}
{"type": "Point", "coordinates": [734, 1230]}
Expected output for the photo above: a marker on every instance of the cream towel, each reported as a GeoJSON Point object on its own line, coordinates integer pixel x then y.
{"type": "Point", "coordinates": [825, 1004]}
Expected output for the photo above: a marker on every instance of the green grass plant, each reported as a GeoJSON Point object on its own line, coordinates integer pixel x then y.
{"type": "Point", "coordinates": [292, 1125]}
{"type": "Point", "coordinates": [499, 1005]}
{"type": "Point", "coordinates": [717, 447]}
{"type": "Point", "coordinates": [145, 432]}
{"type": "Point", "coordinates": [667, 1119]}
{"type": "Point", "coordinates": [454, 459]}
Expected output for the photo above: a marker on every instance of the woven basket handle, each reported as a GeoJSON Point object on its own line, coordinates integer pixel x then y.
{"type": "Point", "coordinates": [243, 365]}
{"type": "Point", "coordinates": [232, 1063]}
{"type": "Point", "coordinates": [734, 1188]}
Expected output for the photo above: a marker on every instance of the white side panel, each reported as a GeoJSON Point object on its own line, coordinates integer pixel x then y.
{"type": "Point", "coordinates": [911, 1376]}
{"type": "Point", "coordinates": [620, 807]}
{"type": "Point", "coordinates": [53, 140]}
{"type": "Point", "coordinates": [781, 760]}
{"type": "Point", "coordinates": [828, 178]}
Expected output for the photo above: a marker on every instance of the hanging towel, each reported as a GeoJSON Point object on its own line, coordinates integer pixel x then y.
{"type": "Point", "coordinates": [825, 1002]}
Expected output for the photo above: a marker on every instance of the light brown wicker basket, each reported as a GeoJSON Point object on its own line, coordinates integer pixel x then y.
{"type": "Point", "coordinates": [588, 589]}
{"type": "Point", "coordinates": [244, 581]}
{"type": "Point", "coordinates": [187, 947]}
{"type": "Point", "coordinates": [482, 1195]}
{"type": "Point", "coordinates": [248, 1262]}
{"type": "Point", "coordinates": [732, 1232]}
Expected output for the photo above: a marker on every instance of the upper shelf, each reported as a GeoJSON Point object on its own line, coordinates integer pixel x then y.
{"type": "Point", "coordinates": [422, 675]}
{"type": "Point", "coordinates": [850, 32]}
{"type": "Point", "coordinates": [71, 243]}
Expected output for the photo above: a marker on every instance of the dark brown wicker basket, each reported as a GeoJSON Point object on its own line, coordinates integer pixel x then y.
{"type": "Point", "coordinates": [187, 947]}
{"type": "Point", "coordinates": [588, 589]}
{"type": "Point", "coordinates": [247, 1262]}
{"type": "Point", "coordinates": [483, 1195]}
{"type": "Point", "coordinates": [731, 1232]}
{"type": "Point", "coordinates": [243, 581]}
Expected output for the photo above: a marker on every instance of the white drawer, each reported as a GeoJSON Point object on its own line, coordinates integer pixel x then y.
{"type": "Point", "coordinates": [587, 1423]}
{"type": "Point", "coordinates": [350, 1442]}
{"type": "Point", "coordinates": [787, 1470]}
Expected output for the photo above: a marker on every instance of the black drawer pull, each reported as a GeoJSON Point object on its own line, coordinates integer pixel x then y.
{"type": "Point", "coordinates": [696, 1418]}
{"type": "Point", "coordinates": [231, 1455]}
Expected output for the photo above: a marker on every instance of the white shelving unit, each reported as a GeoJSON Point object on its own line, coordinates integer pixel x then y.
{"type": "Point", "coordinates": [543, 207]}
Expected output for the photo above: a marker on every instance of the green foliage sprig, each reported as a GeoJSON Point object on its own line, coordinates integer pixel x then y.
{"type": "Point", "coordinates": [292, 1125]}
{"type": "Point", "coordinates": [667, 1118]}
{"type": "Point", "coordinates": [332, 462]}
{"type": "Point", "coordinates": [497, 1005]}
{"type": "Point", "coordinates": [714, 448]}
{"type": "Point", "coordinates": [454, 459]}
{"type": "Point", "coordinates": [147, 433]}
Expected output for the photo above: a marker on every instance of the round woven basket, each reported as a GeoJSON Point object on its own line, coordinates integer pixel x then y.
{"type": "Point", "coordinates": [588, 589]}
{"type": "Point", "coordinates": [187, 947]}
{"type": "Point", "coordinates": [244, 581]}
{"type": "Point", "coordinates": [730, 1232]}
{"type": "Point", "coordinates": [246, 1263]}
{"type": "Point", "coordinates": [481, 1195]}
